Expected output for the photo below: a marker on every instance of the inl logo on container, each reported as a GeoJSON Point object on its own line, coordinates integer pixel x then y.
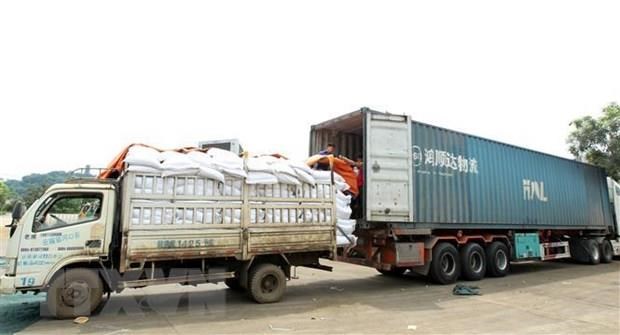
{"type": "Point", "coordinates": [534, 190]}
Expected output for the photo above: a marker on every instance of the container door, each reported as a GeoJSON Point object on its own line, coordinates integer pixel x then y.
{"type": "Point", "coordinates": [389, 189]}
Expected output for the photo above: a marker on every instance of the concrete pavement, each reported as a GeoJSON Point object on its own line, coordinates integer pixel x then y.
{"type": "Point", "coordinates": [550, 297]}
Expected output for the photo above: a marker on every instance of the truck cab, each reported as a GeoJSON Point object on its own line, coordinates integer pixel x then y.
{"type": "Point", "coordinates": [69, 224]}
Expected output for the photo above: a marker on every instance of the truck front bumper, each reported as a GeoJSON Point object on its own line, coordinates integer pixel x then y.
{"type": "Point", "coordinates": [7, 285]}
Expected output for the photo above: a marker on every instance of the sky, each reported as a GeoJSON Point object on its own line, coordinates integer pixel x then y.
{"type": "Point", "coordinates": [80, 80]}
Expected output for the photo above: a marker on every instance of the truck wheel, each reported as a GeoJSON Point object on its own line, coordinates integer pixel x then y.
{"type": "Point", "coordinates": [394, 272]}
{"type": "Point", "coordinates": [473, 261]}
{"type": "Point", "coordinates": [267, 283]}
{"type": "Point", "coordinates": [607, 252]}
{"type": "Point", "coordinates": [593, 251]}
{"type": "Point", "coordinates": [498, 261]}
{"type": "Point", "coordinates": [75, 292]}
{"type": "Point", "coordinates": [234, 284]}
{"type": "Point", "coordinates": [445, 266]}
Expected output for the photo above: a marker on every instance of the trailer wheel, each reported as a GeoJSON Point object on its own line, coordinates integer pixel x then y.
{"type": "Point", "coordinates": [473, 261]}
{"type": "Point", "coordinates": [593, 251]}
{"type": "Point", "coordinates": [267, 283]}
{"type": "Point", "coordinates": [498, 261]}
{"type": "Point", "coordinates": [445, 266]}
{"type": "Point", "coordinates": [607, 252]}
{"type": "Point", "coordinates": [234, 284]}
{"type": "Point", "coordinates": [75, 292]}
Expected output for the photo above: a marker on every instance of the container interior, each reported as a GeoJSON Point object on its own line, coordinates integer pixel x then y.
{"type": "Point", "coordinates": [345, 132]}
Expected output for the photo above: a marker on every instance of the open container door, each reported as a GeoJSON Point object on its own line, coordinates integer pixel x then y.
{"type": "Point", "coordinates": [388, 168]}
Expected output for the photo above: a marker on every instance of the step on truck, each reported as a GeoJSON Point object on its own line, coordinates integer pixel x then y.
{"type": "Point", "coordinates": [85, 238]}
{"type": "Point", "coordinates": [456, 206]}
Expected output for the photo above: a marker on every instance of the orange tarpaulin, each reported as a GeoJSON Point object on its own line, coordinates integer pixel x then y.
{"type": "Point", "coordinates": [339, 166]}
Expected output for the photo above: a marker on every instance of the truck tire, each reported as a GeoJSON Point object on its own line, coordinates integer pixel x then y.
{"type": "Point", "coordinates": [234, 284]}
{"type": "Point", "coordinates": [445, 266]}
{"type": "Point", "coordinates": [394, 272]}
{"type": "Point", "coordinates": [74, 292]}
{"type": "Point", "coordinates": [593, 251]}
{"type": "Point", "coordinates": [498, 259]}
{"type": "Point", "coordinates": [607, 252]}
{"type": "Point", "coordinates": [266, 283]}
{"type": "Point", "coordinates": [473, 261]}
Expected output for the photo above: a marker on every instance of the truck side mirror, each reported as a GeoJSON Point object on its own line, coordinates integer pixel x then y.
{"type": "Point", "coordinates": [18, 211]}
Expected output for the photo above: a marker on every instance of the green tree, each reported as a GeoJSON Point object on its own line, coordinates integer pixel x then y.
{"type": "Point", "coordinates": [597, 140]}
{"type": "Point", "coordinates": [5, 195]}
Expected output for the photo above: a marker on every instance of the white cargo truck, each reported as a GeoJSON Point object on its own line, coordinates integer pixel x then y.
{"type": "Point", "coordinates": [85, 238]}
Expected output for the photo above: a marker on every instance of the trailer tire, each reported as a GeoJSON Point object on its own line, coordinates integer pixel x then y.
{"type": "Point", "coordinates": [234, 284]}
{"type": "Point", "coordinates": [266, 283]}
{"type": "Point", "coordinates": [607, 252]}
{"type": "Point", "coordinates": [473, 261]}
{"type": "Point", "coordinates": [593, 251]}
{"type": "Point", "coordinates": [498, 261]}
{"type": "Point", "coordinates": [445, 266]}
{"type": "Point", "coordinates": [74, 292]}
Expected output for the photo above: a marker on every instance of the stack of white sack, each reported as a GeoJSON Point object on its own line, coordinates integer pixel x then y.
{"type": "Point", "coordinates": [272, 170]}
{"type": "Point", "coordinates": [217, 163]}
{"type": "Point", "coordinates": [171, 163]}
{"type": "Point", "coordinates": [344, 225]}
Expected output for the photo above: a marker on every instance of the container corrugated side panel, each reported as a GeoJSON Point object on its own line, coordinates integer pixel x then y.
{"type": "Point", "coordinates": [562, 193]}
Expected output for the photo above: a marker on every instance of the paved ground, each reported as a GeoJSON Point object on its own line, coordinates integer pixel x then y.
{"type": "Point", "coordinates": [552, 297]}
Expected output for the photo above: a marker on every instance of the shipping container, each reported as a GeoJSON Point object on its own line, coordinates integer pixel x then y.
{"type": "Point", "coordinates": [433, 177]}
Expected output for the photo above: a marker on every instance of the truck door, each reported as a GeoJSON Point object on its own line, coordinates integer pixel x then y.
{"type": "Point", "coordinates": [67, 224]}
{"type": "Point", "coordinates": [388, 168]}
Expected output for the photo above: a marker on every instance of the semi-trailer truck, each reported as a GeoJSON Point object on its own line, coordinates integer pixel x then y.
{"type": "Point", "coordinates": [435, 201]}
{"type": "Point", "coordinates": [452, 205]}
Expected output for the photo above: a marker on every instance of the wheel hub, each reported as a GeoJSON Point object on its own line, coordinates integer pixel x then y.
{"type": "Point", "coordinates": [475, 262]}
{"type": "Point", "coordinates": [448, 264]}
{"type": "Point", "coordinates": [501, 260]}
{"type": "Point", "coordinates": [269, 284]}
{"type": "Point", "coordinates": [75, 293]}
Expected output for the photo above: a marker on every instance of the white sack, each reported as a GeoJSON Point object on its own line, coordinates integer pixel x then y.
{"type": "Point", "coordinates": [255, 177]}
{"type": "Point", "coordinates": [343, 212]}
{"type": "Point", "coordinates": [210, 173]}
{"type": "Point", "coordinates": [343, 197]}
{"type": "Point", "coordinates": [143, 169]}
{"type": "Point", "coordinates": [180, 172]}
{"type": "Point", "coordinates": [323, 177]}
{"type": "Point", "coordinates": [140, 155]}
{"type": "Point", "coordinates": [281, 166]}
{"type": "Point", "coordinates": [259, 164]}
{"type": "Point", "coordinates": [304, 176]}
{"type": "Point", "coordinates": [225, 158]}
{"type": "Point", "coordinates": [300, 166]}
{"type": "Point", "coordinates": [341, 186]}
{"type": "Point", "coordinates": [285, 178]}
{"type": "Point", "coordinates": [343, 241]}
